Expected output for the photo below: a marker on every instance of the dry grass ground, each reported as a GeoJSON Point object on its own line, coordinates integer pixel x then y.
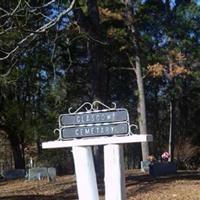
{"type": "Point", "coordinates": [183, 186]}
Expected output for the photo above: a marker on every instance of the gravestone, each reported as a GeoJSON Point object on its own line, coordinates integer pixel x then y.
{"type": "Point", "coordinates": [39, 173]}
{"type": "Point", "coordinates": [14, 174]}
{"type": "Point", "coordinates": [145, 165]}
{"type": "Point", "coordinates": [51, 173]}
{"type": "Point", "coordinates": [162, 168]}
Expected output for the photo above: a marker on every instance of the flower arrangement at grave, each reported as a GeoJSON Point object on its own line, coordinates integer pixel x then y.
{"type": "Point", "coordinates": [165, 156]}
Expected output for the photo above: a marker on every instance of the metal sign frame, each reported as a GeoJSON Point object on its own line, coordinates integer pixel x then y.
{"type": "Point", "coordinates": [93, 108]}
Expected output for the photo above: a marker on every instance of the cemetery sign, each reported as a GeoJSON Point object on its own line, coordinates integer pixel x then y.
{"type": "Point", "coordinates": [93, 122]}
{"type": "Point", "coordinates": [97, 124]}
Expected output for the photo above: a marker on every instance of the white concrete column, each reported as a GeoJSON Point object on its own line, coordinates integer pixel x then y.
{"type": "Point", "coordinates": [114, 172]}
{"type": "Point", "coordinates": [85, 173]}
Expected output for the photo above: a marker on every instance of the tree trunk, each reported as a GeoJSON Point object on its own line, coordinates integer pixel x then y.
{"type": "Point", "coordinates": [172, 129]}
{"type": "Point", "coordinates": [17, 151]}
{"type": "Point", "coordinates": [98, 74]}
{"type": "Point", "coordinates": [97, 77]}
{"type": "Point", "coordinates": [137, 68]}
{"type": "Point", "coordinates": [141, 107]}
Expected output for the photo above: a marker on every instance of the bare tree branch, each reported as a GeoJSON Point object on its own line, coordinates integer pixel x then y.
{"type": "Point", "coordinates": [43, 15]}
{"type": "Point", "coordinates": [39, 7]}
{"type": "Point", "coordinates": [42, 29]}
{"type": "Point", "coordinates": [52, 56]}
{"type": "Point", "coordinates": [89, 37]}
{"type": "Point", "coordinates": [8, 53]}
{"type": "Point", "coordinates": [69, 55]}
{"type": "Point", "coordinates": [121, 68]}
{"type": "Point", "coordinates": [5, 11]}
{"type": "Point", "coordinates": [6, 30]}
{"type": "Point", "coordinates": [16, 8]}
{"type": "Point", "coordinates": [9, 70]}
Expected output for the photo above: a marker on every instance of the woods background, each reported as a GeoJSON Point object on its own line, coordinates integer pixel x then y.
{"type": "Point", "coordinates": [142, 55]}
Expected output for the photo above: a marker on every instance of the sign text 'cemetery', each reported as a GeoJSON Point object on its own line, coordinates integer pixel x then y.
{"type": "Point", "coordinates": [93, 123]}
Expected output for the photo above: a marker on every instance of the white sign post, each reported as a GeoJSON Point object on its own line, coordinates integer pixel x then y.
{"type": "Point", "coordinates": [85, 173]}
{"type": "Point", "coordinates": [114, 172]}
{"type": "Point", "coordinates": [109, 127]}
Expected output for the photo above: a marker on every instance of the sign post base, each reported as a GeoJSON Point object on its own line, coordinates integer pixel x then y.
{"type": "Point", "coordinates": [85, 173]}
{"type": "Point", "coordinates": [114, 172]}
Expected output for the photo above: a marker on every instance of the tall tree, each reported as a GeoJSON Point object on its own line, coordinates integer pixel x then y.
{"type": "Point", "coordinates": [136, 64]}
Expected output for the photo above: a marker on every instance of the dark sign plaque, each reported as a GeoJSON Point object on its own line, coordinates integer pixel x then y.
{"type": "Point", "coordinates": [94, 130]}
{"type": "Point", "coordinates": [94, 122]}
{"type": "Point", "coordinates": [95, 117]}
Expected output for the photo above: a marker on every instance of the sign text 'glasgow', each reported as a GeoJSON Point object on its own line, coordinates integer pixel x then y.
{"type": "Point", "coordinates": [118, 115]}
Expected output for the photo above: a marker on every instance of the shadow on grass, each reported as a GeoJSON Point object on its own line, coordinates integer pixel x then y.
{"type": "Point", "coordinates": [184, 175]}
{"type": "Point", "coordinates": [146, 182]}
{"type": "Point", "coordinates": [66, 194]}
{"type": "Point", "coordinates": [142, 183]}
{"type": "Point", "coordinates": [40, 197]}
